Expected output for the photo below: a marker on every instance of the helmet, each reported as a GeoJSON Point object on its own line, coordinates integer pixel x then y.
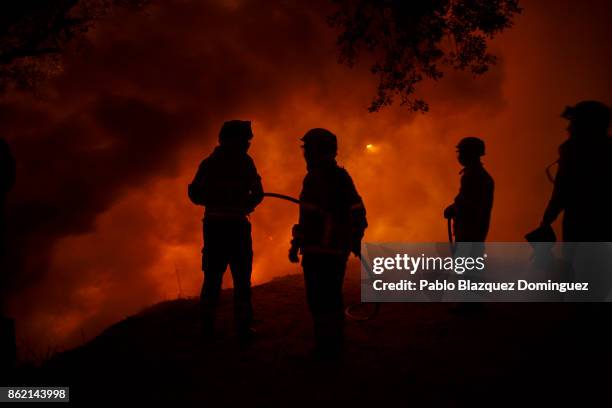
{"type": "Point", "coordinates": [472, 145]}
{"type": "Point", "coordinates": [593, 113]}
{"type": "Point", "coordinates": [235, 130]}
{"type": "Point", "coordinates": [321, 139]}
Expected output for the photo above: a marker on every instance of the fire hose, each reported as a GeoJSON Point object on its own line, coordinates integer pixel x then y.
{"type": "Point", "coordinates": [548, 171]}
{"type": "Point", "coordinates": [283, 197]}
{"type": "Point", "coordinates": [449, 229]}
{"type": "Point", "coordinates": [350, 310]}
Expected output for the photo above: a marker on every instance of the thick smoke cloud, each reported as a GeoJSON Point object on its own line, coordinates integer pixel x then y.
{"type": "Point", "coordinates": [147, 88]}
{"type": "Point", "coordinates": [100, 222]}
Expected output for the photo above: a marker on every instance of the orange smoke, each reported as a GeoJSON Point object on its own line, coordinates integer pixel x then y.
{"type": "Point", "coordinates": [280, 72]}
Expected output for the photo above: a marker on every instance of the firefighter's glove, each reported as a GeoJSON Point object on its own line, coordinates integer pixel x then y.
{"type": "Point", "coordinates": [356, 248]}
{"type": "Point", "coordinates": [450, 211]}
{"type": "Point", "coordinates": [294, 254]}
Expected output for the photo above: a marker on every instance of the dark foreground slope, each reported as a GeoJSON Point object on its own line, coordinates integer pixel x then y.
{"type": "Point", "coordinates": [411, 354]}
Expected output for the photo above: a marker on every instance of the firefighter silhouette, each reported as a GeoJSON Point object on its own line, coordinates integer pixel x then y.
{"type": "Point", "coordinates": [471, 210]}
{"type": "Point", "coordinates": [228, 186]}
{"type": "Point", "coordinates": [584, 175]}
{"type": "Point", "coordinates": [332, 222]}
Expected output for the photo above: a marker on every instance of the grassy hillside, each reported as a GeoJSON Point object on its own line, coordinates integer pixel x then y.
{"type": "Point", "coordinates": [411, 354]}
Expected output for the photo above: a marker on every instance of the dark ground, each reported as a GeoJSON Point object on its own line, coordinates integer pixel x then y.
{"type": "Point", "coordinates": [410, 355]}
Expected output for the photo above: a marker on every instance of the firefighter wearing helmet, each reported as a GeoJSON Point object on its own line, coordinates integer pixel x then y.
{"type": "Point", "coordinates": [581, 186]}
{"type": "Point", "coordinates": [228, 185]}
{"type": "Point", "coordinates": [332, 222]}
{"type": "Point", "coordinates": [471, 209]}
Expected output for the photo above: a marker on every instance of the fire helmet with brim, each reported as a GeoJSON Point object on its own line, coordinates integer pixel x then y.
{"type": "Point", "coordinates": [320, 139]}
{"type": "Point", "coordinates": [472, 145]}
{"type": "Point", "coordinates": [234, 131]}
{"type": "Point", "coordinates": [594, 113]}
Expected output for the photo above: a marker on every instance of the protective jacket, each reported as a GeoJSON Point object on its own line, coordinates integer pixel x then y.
{"type": "Point", "coordinates": [332, 215]}
{"type": "Point", "coordinates": [473, 204]}
{"type": "Point", "coordinates": [227, 184]}
{"type": "Point", "coordinates": [582, 190]}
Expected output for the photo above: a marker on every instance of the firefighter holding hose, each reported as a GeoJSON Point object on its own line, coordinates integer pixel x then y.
{"type": "Point", "coordinates": [228, 185]}
{"type": "Point", "coordinates": [581, 187]}
{"type": "Point", "coordinates": [332, 222]}
{"type": "Point", "coordinates": [471, 209]}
